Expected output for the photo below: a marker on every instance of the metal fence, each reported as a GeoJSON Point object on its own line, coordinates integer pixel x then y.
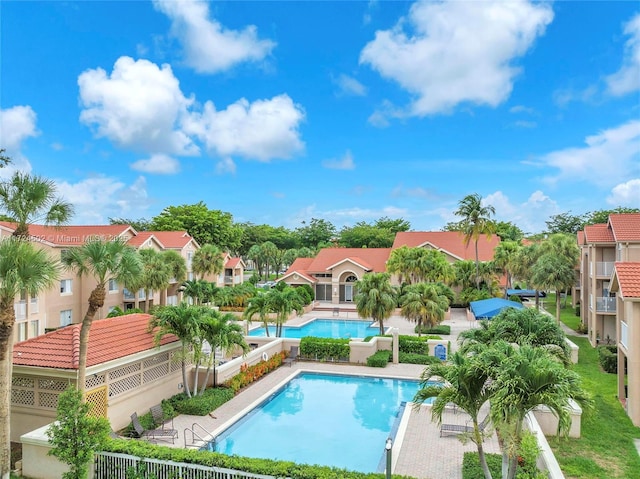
{"type": "Point", "coordinates": [110, 465]}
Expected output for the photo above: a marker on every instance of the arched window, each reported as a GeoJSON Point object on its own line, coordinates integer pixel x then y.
{"type": "Point", "coordinates": [351, 279]}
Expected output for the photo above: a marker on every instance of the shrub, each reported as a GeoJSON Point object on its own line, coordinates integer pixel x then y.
{"type": "Point", "coordinates": [413, 344]}
{"type": "Point", "coordinates": [202, 404]}
{"type": "Point", "coordinates": [528, 457]}
{"type": "Point", "coordinates": [413, 358]}
{"type": "Point", "coordinates": [324, 349]}
{"type": "Point", "coordinates": [443, 329]}
{"type": "Point", "coordinates": [248, 374]}
{"type": "Point", "coordinates": [578, 310]}
{"type": "Point", "coordinates": [309, 290]}
{"type": "Point", "coordinates": [471, 465]}
{"type": "Point", "coordinates": [516, 298]}
{"type": "Point", "coordinates": [380, 359]}
{"type": "Point", "coordinates": [608, 358]}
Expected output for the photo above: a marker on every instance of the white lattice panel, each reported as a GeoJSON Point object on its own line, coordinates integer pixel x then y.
{"type": "Point", "coordinates": [48, 400]}
{"type": "Point", "coordinates": [124, 385]}
{"type": "Point", "coordinates": [95, 381]}
{"type": "Point", "coordinates": [175, 365]}
{"type": "Point", "coordinates": [124, 371]}
{"type": "Point", "coordinates": [22, 397]}
{"type": "Point", "coordinates": [52, 384]}
{"type": "Point", "coordinates": [155, 373]}
{"type": "Point", "coordinates": [157, 359]}
{"type": "Point", "coordinates": [23, 382]}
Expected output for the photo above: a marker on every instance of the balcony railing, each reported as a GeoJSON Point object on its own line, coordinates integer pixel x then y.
{"type": "Point", "coordinates": [228, 280]}
{"type": "Point", "coordinates": [21, 309]}
{"type": "Point", "coordinates": [604, 268]}
{"type": "Point", "coordinates": [605, 305]}
{"type": "Point", "coordinates": [624, 334]}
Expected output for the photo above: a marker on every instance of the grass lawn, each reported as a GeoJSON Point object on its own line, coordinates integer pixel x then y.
{"type": "Point", "coordinates": [567, 314]}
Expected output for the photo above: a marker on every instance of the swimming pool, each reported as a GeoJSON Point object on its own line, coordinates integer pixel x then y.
{"type": "Point", "coordinates": [325, 419]}
{"type": "Point", "coordinates": [324, 328]}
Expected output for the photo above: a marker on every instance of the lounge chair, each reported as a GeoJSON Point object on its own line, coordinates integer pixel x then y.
{"type": "Point", "coordinates": [446, 429]}
{"type": "Point", "coordinates": [293, 356]}
{"type": "Point", "coordinates": [152, 434]}
{"type": "Point", "coordinates": [159, 420]}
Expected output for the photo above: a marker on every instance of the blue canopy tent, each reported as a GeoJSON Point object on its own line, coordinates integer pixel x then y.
{"type": "Point", "coordinates": [488, 308]}
{"type": "Point", "coordinates": [525, 293]}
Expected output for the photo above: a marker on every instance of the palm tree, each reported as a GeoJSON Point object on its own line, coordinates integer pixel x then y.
{"type": "Point", "coordinates": [476, 221]}
{"type": "Point", "coordinates": [23, 267]}
{"type": "Point", "coordinates": [221, 331]}
{"type": "Point", "coordinates": [283, 303]}
{"type": "Point", "coordinates": [178, 268]}
{"type": "Point", "coordinates": [423, 303]}
{"type": "Point", "coordinates": [552, 272]}
{"type": "Point", "coordinates": [255, 255]}
{"type": "Point", "coordinates": [375, 297]}
{"type": "Point", "coordinates": [183, 321]}
{"type": "Point", "coordinates": [28, 199]}
{"type": "Point", "coordinates": [504, 257]}
{"type": "Point", "coordinates": [260, 305]}
{"type": "Point", "coordinates": [156, 274]}
{"type": "Point", "coordinates": [465, 384]}
{"type": "Point", "coordinates": [101, 260]}
{"type": "Point", "coordinates": [464, 272]}
{"type": "Point", "coordinates": [207, 260]}
{"type": "Point", "coordinates": [398, 263]}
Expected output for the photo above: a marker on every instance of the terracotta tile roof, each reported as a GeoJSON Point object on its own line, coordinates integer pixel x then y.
{"type": "Point", "coordinates": [233, 263]}
{"type": "Point", "coordinates": [625, 227]}
{"type": "Point", "coordinates": [109, 339]}
{"type": "Point", "coordinates": [598, 233]}
{"type": "Point", "coordinates": [72, 235]}
{"type": "Point", "coordinates": [140, 239]}
{"type": "Point", "coordinates": [449, 241]}
{"type": "Point", "coordinates": [628, 274]}
{"type": "Point", "coordinates": [172, 239]}
{"type": "Point", "coordinates": [374, 258]}
{"type": "Point", "coordinates": [299, 264]}
{"type": "Point", "coordinates": [295, 273]}
{"type": "Point", "coordinates": [354, 259]}
{"type": "Point", "coordinates": [580, 237]}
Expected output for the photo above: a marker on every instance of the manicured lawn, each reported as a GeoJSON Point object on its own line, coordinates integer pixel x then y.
{"type": "Point", "coordinates": [606, 449]}
{"type": "Point", "coordinates": [567, 314]}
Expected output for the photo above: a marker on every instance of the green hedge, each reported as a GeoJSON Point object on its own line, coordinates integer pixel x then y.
{"type": "Point", "coordinates": [380, 359]}
{"type": "Point", "coordinates": [443, 329]}
{"type": "Point", "coordinates": [471, 465]}
{"type": "Point", "coordinates": [202, 404]}
{"type": "Point", "coordinates": [257, 466]}
{"type": "Point", "coordinates": [413, 358]}
{"type": "Point", "coordinates": [608, 358]}
{"type": "Point", "coordinates": [414, 344]}
{"type": "Point", "coordinates": [324, 349]}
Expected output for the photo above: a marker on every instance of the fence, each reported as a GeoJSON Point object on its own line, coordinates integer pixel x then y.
{"type": "Point", "coordinates": [109, 465]}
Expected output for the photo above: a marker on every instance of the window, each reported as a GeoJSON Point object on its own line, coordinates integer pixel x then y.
{"type": "Point", "coordinates": [63, 253]}
{"type": "Point", "coordinates": [22, 331]}
{"type": "Point", "coordinates": [65, 317]}
{"type": "Point", "coordinates": [65, 286]}
{"type": "Point", "coordinates": [34, 329]}
{"type": "Point", "coordinates": [113, 285]}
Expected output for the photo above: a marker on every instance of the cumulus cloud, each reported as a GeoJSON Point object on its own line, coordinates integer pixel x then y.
{"type": "Point", "coordinates": [226, 166]}
{"type": "Point", "coordinates": [139, 106]}
{"type": "Point", "coordinates": [417, 192]}
{"type": "Point", "coordinates": [261, 130]}
{"type": "Point", "coordinates": [208, 46]}
{"type": "Point", "coordinates": [99, 198]}
{"type": "Point", "coordinates": [344, 163]}
{"type": "Point", "coordinates": [627, 78]}
{"type": "Point", "coordinates": [522, 109]}
{"type": "Point", "coordinates": [158, 164]}
{"type": "Point", "coordinates": [626, 194]}
{"type": "Point", "coordinates": [17, 124]}
{"type": "Point", "coordinates": [349, 86]}
{"type": "Point", "coordinates": [608, 157]}
{"type": "Point", "coordinates": [457, 52]}
{"type": "Point", "coordinates": [529, 215]}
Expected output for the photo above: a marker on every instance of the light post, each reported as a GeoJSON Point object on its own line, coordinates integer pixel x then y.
{"type": "Point", "coordinates": [387, 448]}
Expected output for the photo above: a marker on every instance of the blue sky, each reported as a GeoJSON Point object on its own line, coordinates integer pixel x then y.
{"type": "Point", "coordinates": [278, 112]}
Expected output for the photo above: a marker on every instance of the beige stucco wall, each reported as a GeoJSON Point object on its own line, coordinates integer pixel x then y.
{"type": "Point", "coordinates": [549, 422]}
{"type": "Point", "coordinates": [36, 463]}
{"type": "Point", "coordinates": [631, 315]}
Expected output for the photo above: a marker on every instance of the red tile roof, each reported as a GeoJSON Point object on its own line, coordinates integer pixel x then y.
{"type": "Point", "coordinates": [373, 258]}
{"type": "Point", "coordinates": [172, 239]}
{"type": "Point", "coordinates": [233, 262]}
{"type": "Point", "coordinates": [141, 238]}
{"type": "Point", "coordinates": [72, 235]}
{"type": "Point", "coordinates": [628, 274]}
{"type": "Point", "coordinates": [449, 241]}
{"type": "Point", "coordinates": [299, 264]}
{"type": "Point", "coordinates": [109, 339]}
{"type": "Point", "coordinates": [580, 237]}
{"type": "Point", "coordinates": [598, 233]}
{"type": "Point", "coordinates": [625, 227]}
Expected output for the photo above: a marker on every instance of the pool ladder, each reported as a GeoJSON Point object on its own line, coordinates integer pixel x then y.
{"type": "Point", "coordinates": [195, 434]}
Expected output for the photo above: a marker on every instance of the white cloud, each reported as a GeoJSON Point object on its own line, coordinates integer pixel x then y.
{"type": "Point", "coordinates": [525, 124]}
{"type": "Point", "coordinates": [530, 215]}
{"type": "Point", "coordinates": [626, 194]}
{"type": "Point", "coordinates": [138, 106]}
{"type": "Point", "coordinates": [57, 146]}
{"type": "Point", "coordinates": [522, 109]}
{"type": "Point", "coordinates": [99, 198]}
{"type": "Point", "coordinates": [457, 51]}
{"type": "Point", "coordinates": [158, 164]}
{"type": "Point", "coordinates": [349, 85]}
{"type": "Point", "coordinates": [344, 163]}
{"type": "Point", "coordinates": [417, 192]}
{"type": "Point", "coordinates": [627, 79]}
{"type": "Point", "coordinates": [261, 130]}
{"type": "Point", "coordinates": [209, 47]}
{"type": "Point", "coordinates": [608, 157]}
{"type": "Point", "coordinates": [225, 165]}
{"type": "Point", "coordinates": [16, 124]}
{"type": "Point", "coordinates": [563, 97]}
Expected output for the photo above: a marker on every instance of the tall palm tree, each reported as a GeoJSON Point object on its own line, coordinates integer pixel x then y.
{"type": "Point", "coordinates": [283, 303]}
{"type": "Point", "coordinates": [183, 321]}
{"type": "Point", "coordinates": [375, 297]}
{"type": "Point", "coordinates": [553, 272]}
{"type": "Point", "coordinates": [23, 267]}
{"type": "Point", "coordinates": [101, 260]}
{"type": "Point", "coordinates": [208, 260]}
{"type": "Point", "coordinates": [525, 259]}
{"type": "Point", "coordinates": [223, 332]}
{"type": "Point", "coordinates": [178, 268]}
{"type": "Point", "coordinates": [156, 274]}
{"type": "Point", "coordinates": [504, 257]}
{"type": "Point", "coordinates": [260, 305]}
{"type": "Point", "coordinates": [398, 263]}
{"type": "Point", "coordinates": [28, 199]}
{"type": "Point", "coordinates": [465, 384]}
{"type": "Point", "coordinates": [423, 303]}
{"type": "Point", "coordinates": [476, 221]}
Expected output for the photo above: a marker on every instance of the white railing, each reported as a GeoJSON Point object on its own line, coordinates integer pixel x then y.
{"type": "Point", "coordinates": [20, 309]}
{"type": "Point", "coordinates": [604, 268]}
{"type": "Point", "coordinates": [624, 333]}
{"type": "Point", "coordinates": [110, 465]}
{"type": "Point", "coordinates": [606, 305]}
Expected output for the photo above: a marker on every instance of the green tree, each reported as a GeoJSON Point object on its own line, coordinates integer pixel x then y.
{"type": "Point", "coordinates": [28, 199]}
{"type": "Point", "coordinates": [507, 231]}
{"type": "Point", "coordinates": [364, 235]}
{"type": "Point", "coordinates": [464, 274]}
{"type": "Point", "coordinates": [4, 160]}
{"type": "Point", "coordinates": [464, 382]}
{"type": "Point", "coordinates": [23, 267]}
{"type": "Point", "coordinates": [101, 260]}
{"type": "Point", "coordinates": [602, 216]}
{"type": "Point", "coordinates": [565, 223]}
{"type": "Point", "coordinates": [399, 263]}
{"type": "Point", "coordinates": [269, 253]}
{"type": "Point", "coordinates": [476, 221]}
{"type": "Point", "coordinates": [75, 435]}
{"type": "Point", "coordinates": [504, 257]}
{"type": "Point", "coordinates": [283, 303]}
{"type": "Point", "coordinates": [256, 255]}
{"type": "Point", "coordinates": [423, 303]}
{"type": "Point", "coordinates": [156, 275]}
{"type": "Point", "coordinates": [316, 234]}
{"type": "Point", "coordinates": [141, 224]}
{"type": "Point", "coordinates": [200, 291]}
{"type": "Point", "coordinates": [178, 269]}
{"type": "Point", "coordinates": [394, 225]}
{"type": "Point", "coordinates": [375, 297]}
{"type": "Point", "coordinates": [208, 260]}
{"type": "Point", "coordinates": [525, 259]}
{"type": "Point", "coordinates": [552, 272]}
{"type": "Point", "coordinates": [258, 305]}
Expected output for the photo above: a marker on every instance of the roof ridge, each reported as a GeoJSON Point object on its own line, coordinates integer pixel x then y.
{"type": "Point", "coordinates": [75, 346]}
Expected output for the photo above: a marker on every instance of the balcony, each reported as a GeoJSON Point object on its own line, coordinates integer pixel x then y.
{"type": "Point", "coordinates": [624, 334]}
{"type": "Point", "coordinates": [605, 305]}
{"type": "Point", "coordinates": [228, 280]}
{"type": "Point", "coordinates": [604, 268]}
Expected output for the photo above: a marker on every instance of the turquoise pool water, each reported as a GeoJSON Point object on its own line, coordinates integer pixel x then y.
{"type": "Point", "coordinates": [331, 420]}
{"type": "Point", "coordinates": [324, 328]}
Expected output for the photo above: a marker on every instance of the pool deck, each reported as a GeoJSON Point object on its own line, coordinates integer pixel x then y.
{"type": "Point", "coordinates": [423, 453]}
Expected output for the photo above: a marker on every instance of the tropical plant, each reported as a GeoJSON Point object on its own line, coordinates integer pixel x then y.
{"type": "Point", "coordinates": [75, 436]}
{"type": "Point", "coordinates": [552, 272]}
{"type": "Point", "coordinates": [200, 291]}
{"type": "Point", "coordinates": [504, 256]}
{"type": "Point", "coordinates": [423, 303]}
{"type": "Point", "coordinates": [375, 297]}
{"type": "Point", "coordinates": [258, 305]}
{"type": "Point", "coordinates": [398, 263]}
{"type": "Point", "coordinates": [208, 260]}
{"type": "Point", "coordinates": [178, 269]}
{"type": "Point", "coordinates": [156, 275]}
{"type": "Point", "coordinates": [476, 221]}
{"type": "Point", "coordinates": [28, 199]}
{"type": "Point", "coordinates": [23, 267]}
{"type": "Point", "coordinates": [525, 259]}
{"type": "Point", "coordinates": [283, 303]}
{"type": "Point", "coordinates": [101, 260]}
{"type": "Point", "coordinates": [463, 382]}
